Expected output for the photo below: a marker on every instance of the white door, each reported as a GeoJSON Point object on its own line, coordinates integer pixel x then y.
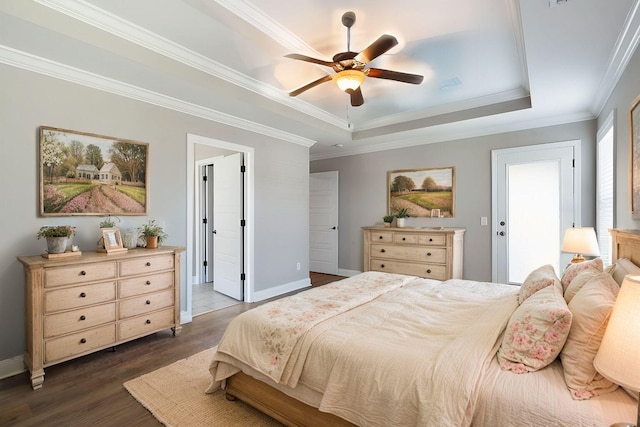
{"type": "Point", "coordinates": [534, 195]}
{"type": "Point", "coordinates": [323, 222]}
{"type": "Point", "coordinates": [227, 227]}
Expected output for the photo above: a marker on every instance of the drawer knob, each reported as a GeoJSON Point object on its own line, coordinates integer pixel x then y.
{"type": "Point", "coordinates": [428, 253]}
{"type": "Point", "coordinates": [148, 322]}
{"type": "Point", "coordinates": [148, 302]}
{"type": "Point", "coordinates": [429, 271]}
{"type": "Point", "coordinates": [148, 282]}
{"type": "Point", "coordinates": [404, 238]}
{"type": "Point", "coordinates": [83, 341]}
{"type": "Point", "coordinates": [83, 273]}
{"type": "Point", "coordinates": [83, 295]}
{"type": "Point", "coordinates": [381, 265]}
{"type": "Point", "coordinates": [83, 317]}
{"type": "Point", "coordinates": [148, 264]}
{"type": "Point", "coordinates": [379, 237]}
{"type": "Point", "coordinates": [382, 250]}
{"type": "Point", "coordinates": [430, 239]}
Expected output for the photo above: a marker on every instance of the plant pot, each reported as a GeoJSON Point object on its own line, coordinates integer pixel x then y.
{"type": "Point", "coordinates": [152, 242]}
{"type": "Point", "coordinates": [400, 222]}
{"type": "Point", "coordinates": [387, 224]}
{"type": "Point", "coordinates": [56, 245]}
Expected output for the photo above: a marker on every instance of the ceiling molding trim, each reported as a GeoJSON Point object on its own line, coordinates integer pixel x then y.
{"type": "Point", "coordinates": [60, 71]}
{"type": "Point", "coordinates": [623, 50]}
{"type": "Point", "coordinates": [467, 104]}
{"type": "Point", "coordinates": [515, 16]}
{"type": "Point", "coordinates": [452, 132]}
{"type": "Point", "coordinates": [105, 21]}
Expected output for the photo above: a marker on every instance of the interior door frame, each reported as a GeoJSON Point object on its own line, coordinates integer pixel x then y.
{"type": "Point", "coordinates": [335, 244]}
{"type": "Point", "coordinates": [577, 207]}
{"type": "Point", "coordinates": [192, 226]}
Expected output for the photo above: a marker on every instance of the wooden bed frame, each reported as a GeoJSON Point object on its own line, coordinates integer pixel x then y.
{"type": "Point", "coordinates": [293, 413]}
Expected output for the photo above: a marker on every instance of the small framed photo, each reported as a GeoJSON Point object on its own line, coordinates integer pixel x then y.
{"type": "Point", "coordinates": [112, 240]}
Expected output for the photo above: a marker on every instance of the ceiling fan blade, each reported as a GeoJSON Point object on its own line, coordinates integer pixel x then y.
{"type": "Point", "coordinates": [310, 85]}
{"type": "Point", "coordinates": [415, 79]}
{"type": "Point", "coordinates": [309, 59]}
{"type": "Point", "coordinates": [377, 48]}
{"type": "Point", "coordinates": [356, 97]}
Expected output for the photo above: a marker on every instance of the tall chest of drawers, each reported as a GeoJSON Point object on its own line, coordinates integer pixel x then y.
{"type": "Point", "coordinates": [75, 306]}
{"type": "Point", "coordinates": [430, 253]}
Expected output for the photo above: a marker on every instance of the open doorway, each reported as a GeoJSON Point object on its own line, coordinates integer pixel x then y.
{"type": "Point", "coordinates": [220, 225]}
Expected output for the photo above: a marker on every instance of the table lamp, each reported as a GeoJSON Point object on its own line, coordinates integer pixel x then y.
{"type": "Point", "coordinates": [580, 241]}
{"type": "Point", "coordinates": [618, 358]}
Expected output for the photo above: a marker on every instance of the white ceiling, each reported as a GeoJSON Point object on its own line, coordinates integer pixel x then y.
{"type": "Point", "coordinates": [489, 65]}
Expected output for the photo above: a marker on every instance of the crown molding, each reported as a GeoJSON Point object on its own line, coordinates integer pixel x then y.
{"type": "Point", "coordinates": [26, 61]}
{"type": "Point", "coordinates": [623, 50]}
{"type": "Point", "coordinates": [113, 24]}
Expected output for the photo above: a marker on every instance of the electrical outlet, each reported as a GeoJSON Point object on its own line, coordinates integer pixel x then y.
{"type": "Point", "coordinates": [298, 266]}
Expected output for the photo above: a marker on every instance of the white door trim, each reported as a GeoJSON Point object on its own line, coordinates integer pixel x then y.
{"type": "Point", "coordinates": [577, 217]}
{"type": "Point", "coordinates": [327, 246]}
{"type": "Point", "coordinates": [186, 314]}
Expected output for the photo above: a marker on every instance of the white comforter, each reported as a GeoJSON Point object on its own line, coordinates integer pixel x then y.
{"type": "Point", "coordinates": [414, 354]}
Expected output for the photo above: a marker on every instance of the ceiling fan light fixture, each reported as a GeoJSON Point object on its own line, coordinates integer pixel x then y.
{"type": "Point", "coordinates": [349, 79]}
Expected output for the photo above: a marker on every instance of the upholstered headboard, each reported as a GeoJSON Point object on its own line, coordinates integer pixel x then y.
{"type": "Point", "coordinates": [626, 244]}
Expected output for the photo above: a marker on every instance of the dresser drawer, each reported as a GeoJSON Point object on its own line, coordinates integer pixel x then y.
{"type": "Point", "coordinates": [435, 255]}
{"type": "Point", "coordinates": [73, 321]}
{"type": "Point", "coordinates": [146, 324]}
{"type": "Point", "coordinates": [81, 342]}
{"type": "Point", "coordinates": [145, 284]}
{"type": "Point", "coordinates": [432, 239]}
{"type": "Point", "coordinates": [82, 273]}
{"type": "Point", "coordinates": [382, 236]}
{"type": "Point", "coordinates": [146, 265]}
{"type": "Point", "coordinates": [146, 303]}
{"type": "Point", "coordinates": [436, 272]}
{"type": "Point", "coordinates": [405, 238]}
{"type": "Point", "coordinates": [79, 296]}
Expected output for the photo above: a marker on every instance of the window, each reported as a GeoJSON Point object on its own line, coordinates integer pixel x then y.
{"type": "Point", "coordinates": [605, 188]}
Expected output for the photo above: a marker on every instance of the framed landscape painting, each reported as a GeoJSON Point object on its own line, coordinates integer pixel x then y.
{"type": "Point", "coordinates": [88, 174]}
{"type": "Point", "coordinates": [423, 192]}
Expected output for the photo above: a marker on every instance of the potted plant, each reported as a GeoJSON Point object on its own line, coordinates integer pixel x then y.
{"type": "Point", "coordinates": [400, 217]}
{"type": "Point", "coordinates": [108, 222]}
{"type": "Point", "coordinates": [388, 219]}
{"type": "Point", "coordinates": [57, 237]}
{"type": "Point", "coordinates": [153, 234]}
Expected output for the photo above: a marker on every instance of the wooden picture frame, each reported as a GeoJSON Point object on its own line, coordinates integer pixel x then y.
{"type": "Point", "coordinates": [88, 174]}
{"type": "Point", "coordinates": [422, 191]}
{"type": "Point", "coordinates": [112, 240]}
{"type": "Point", "coordinates": [634, 120]}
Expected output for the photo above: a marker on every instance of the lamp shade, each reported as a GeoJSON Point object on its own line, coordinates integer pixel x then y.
{"type": "Point", "coordinates": [349, 79]}
{"type": "Point", "coordinates": [581, 240]}
{"type": "Point", "coordinates": [618, 358]}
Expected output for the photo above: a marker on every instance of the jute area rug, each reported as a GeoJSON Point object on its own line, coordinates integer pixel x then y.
{"type": "Point", "coordinates": [175, 395]}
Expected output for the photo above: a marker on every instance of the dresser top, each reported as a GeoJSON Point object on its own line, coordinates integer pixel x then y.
{"type": "Point", "coordinates": [416, 229]}
{"type": "Point", "coordinates": [93, 256]}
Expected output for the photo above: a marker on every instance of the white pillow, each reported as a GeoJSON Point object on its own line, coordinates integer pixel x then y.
{"type": "Point", "coordinates": [536, 332]}
{"type": "Point", "coordinates": [591, 307]}
{"type": "Point", "coordinates": [621, 268]}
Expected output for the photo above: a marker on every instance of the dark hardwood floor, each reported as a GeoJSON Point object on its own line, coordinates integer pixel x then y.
{"type": "Point", "coordinates": [88, 391]}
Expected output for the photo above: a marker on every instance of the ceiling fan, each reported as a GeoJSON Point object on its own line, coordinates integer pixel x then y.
{"type": "Point", "coordinates": [350, 66]}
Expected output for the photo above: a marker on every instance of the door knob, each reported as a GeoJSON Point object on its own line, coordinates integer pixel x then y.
{"type": "Point", "coordinates": [502, 233]}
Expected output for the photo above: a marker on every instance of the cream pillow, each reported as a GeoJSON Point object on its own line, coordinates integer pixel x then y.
{"type": "Point", "coordinates": [538, 279]}
{"type": "Point", "coordinates": [536, 332]}
{"type": "Point", "coordinates": [591, 307]}
{"type": "Point", "coordinates": [621, 268]}
{"type": "Point", "coordinates": [578, 282]}
{"type": "Point", "coordinates": [573, 270]}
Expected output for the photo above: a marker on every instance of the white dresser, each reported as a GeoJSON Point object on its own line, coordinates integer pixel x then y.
{"type": "Point", "coordinates": [424, 252]}
{"type": "Point", "coordinates": [78, 305]}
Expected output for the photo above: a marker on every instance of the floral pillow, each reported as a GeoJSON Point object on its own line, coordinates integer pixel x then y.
{"type": "Point", "coordinates": [536, 332]}
{"type": "Point", "coordinates": [578, 282]}
{"type": "Point", "coordinates": [591, 307]}
{"type": "Point", "coordinates": [538, 279]}
{"type": "Point", "coordinates": [574, 269]}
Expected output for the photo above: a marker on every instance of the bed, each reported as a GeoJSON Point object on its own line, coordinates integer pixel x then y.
{"type": "Point", "coordinates": [381, 349]}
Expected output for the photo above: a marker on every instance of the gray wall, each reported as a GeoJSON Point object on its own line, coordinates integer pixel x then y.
{"type": "Point", "coordinates": [31, 100]}
{"type": "Point", "coordinates": [363, 183]}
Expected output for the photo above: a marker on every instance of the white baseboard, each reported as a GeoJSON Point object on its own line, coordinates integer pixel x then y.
{"type": "Point", "coordinates": [281, 290]}
{"type": "Point", "coordinates": [11, 367]}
